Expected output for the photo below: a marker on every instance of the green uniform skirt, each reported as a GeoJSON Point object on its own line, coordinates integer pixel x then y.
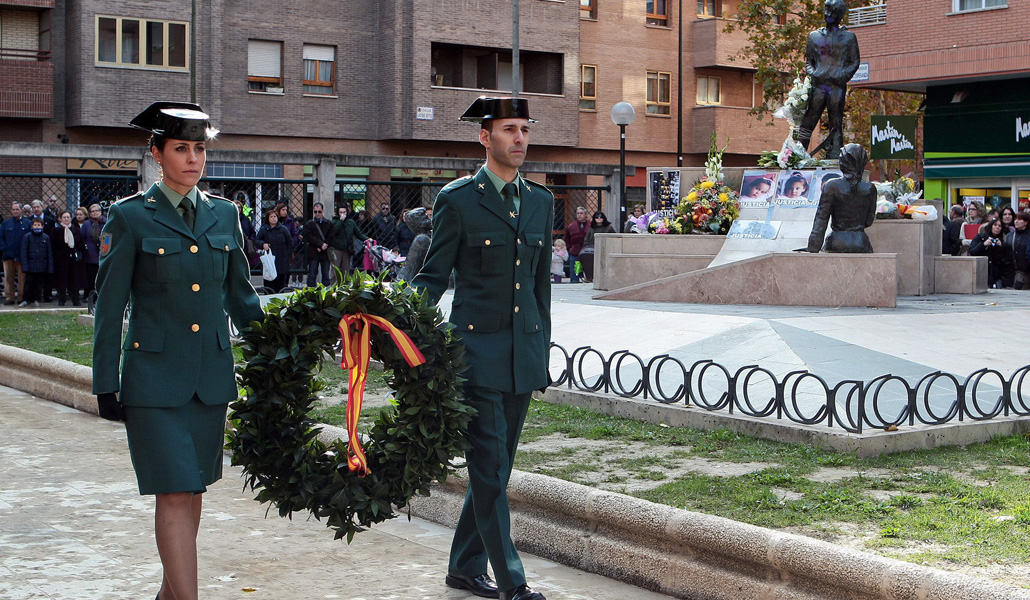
{"type": "Point", "coordinates": [177, 449]}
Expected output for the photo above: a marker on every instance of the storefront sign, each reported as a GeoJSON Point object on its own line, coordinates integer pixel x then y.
{"type": "Point", "coordinates": [893, 137]}
{"type": "Point", "coordinates": [89, 164]}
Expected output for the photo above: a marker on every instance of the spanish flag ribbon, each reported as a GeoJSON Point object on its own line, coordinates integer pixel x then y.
{"type": "Point", "coordinates": [357, 350]}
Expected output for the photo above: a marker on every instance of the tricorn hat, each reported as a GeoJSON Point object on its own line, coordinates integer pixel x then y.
{"type": "Point", "coordinates": [491, 107]}
{"type": "Point", "coordinates": [175, 120]}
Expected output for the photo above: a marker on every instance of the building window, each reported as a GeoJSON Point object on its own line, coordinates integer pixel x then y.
{"type": "Point", "coordinates": [659, 96]}
{"type": "Point", "coordinates": [657, 12]}
{"type": "Point", "coordinates": [483, 68]}
{"type": "Point", "coordinates": [709, 8]}
{"type": "Point", "coordinates": [142, 43]}
{"type": "Point", "coordinates": [319, 69]}
{"type": "Point", "coordinates": [587, 9]}
{"type": "Point", "coordinates": [588, 87]}
{"type": "Point", "coordinates": [964, 5]}
{"type": "Point", "coordinates": [708, 90]}
{"type": "Point", "coordinates": [264, 66]}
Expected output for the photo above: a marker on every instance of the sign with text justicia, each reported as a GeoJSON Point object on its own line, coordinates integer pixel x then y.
{"type": "Point", "coordinates": [893, 137]}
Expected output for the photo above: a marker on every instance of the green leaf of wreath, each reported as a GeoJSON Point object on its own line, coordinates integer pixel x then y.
{"type": "Point", "coordinates": [407, 448]}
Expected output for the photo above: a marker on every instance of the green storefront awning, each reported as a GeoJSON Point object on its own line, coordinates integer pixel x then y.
{"type": "Point", "coordinates": [975, 170]}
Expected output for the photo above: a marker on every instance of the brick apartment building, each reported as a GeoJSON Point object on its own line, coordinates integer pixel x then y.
{"type": "Point", "coordinates": [972, 60]}
{"type": "Point", "coordinates": [384, 78]}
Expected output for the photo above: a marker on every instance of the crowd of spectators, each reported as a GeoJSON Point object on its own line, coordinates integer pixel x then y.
{"type": "Point", "coordinates": [999, 235]}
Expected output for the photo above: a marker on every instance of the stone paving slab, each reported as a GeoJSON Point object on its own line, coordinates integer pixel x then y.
{"type": "Point", "coordinates": [73, 526]}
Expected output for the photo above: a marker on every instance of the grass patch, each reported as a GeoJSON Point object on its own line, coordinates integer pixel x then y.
{"type": "Point", "coordinates": [53, 334]}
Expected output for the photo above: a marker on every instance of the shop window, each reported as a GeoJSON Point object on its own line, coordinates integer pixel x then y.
{"type": "Point", "coordinates": [588, 9]}
{"type": "Point", "coordinates": [145, 43]}
{"type": "Point", "coordinates": [319, 70]}
{"type": "Point", "coordinates": [709, 90]}
{"type": "Point", "coordinates": [657, 12]}
{"type": "Point", "coordinates": [659, 93]}
{"type": "Point", "coordinates": [588, 87]}
{"type": "Point", "coordinates": [709, 8]}
{"type": "Point", "coordinates": [264, 66]}
{"type": "Point", "coordinates": [967, 5]}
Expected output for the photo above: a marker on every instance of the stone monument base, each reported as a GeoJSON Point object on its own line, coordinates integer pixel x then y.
{"type": "Point", "coordinates": [780, 278]}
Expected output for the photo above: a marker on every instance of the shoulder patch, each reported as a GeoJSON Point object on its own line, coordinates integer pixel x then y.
{"type": "Point", "coordinates": [105, 244]}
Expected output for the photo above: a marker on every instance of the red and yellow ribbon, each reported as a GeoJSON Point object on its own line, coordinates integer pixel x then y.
{"type": "Point", "coordinates": [357, 349]}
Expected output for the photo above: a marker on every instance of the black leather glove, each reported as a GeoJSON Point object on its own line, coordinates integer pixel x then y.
{"type": "Point", "coordinates": [110, 408]}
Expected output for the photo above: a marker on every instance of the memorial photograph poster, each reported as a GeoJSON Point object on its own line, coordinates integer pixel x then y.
{"type": "Point", "coordinates": [665, 192]}
{"type": "Point", "coordinates": [821, 177]}
{"type": "Point", "coordinates": [795, 189]}
{"type": "Point", "coordinates": [753, 230]}
{"type": "Point", "coordinates": [758, 188]}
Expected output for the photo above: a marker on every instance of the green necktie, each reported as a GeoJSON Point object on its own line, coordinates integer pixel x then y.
{"type": "Point", "coordinates": [508, 191]}
{"type": "Point", "coordinates": [187, 212]}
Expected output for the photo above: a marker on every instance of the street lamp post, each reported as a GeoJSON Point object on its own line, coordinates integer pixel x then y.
{"type": "Point", "coordinates": [622, 115]}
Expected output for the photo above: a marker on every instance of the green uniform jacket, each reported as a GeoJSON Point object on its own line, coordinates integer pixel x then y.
{"type": "Point", "coordinates": [502, 292]}
{"type": "Point", "coordinates": [180, 284]}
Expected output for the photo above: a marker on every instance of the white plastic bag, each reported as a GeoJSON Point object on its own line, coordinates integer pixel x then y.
{"type": "Point", "coordinates": [268, 271]}
{"type": "Point", "coordinates": [923, 213]}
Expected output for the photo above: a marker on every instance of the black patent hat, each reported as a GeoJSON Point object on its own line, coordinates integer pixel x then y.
{"type": "Point", "coordinates": [487, 107]}
{"type": "Point", "coordinates": [176, 120]}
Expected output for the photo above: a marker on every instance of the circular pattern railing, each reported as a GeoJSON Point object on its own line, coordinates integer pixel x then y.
{"type": "Point", "coordinates": [885, 402]}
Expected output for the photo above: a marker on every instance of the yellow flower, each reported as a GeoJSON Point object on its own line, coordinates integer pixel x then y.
{"type": "Point", "coordinates": [692, 196]}
{"type": "Point", "coordinates": [707, 185]}
{"type": "Point", "coordinates": [723, 197]}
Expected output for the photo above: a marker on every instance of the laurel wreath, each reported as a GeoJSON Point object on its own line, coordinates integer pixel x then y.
{"type": "Point", "coordinates": [408, 447]}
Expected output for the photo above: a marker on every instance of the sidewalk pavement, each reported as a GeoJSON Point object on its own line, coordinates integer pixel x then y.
{"type": "Point", "coordinates": [73, 526]}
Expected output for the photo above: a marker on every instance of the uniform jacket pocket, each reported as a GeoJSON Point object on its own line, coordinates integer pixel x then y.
{"type": "Point", "coordinates": [163, 257]}
{"type": "Point", "coordinates": [144, 339]}
{"type": "Point", "coordinates": [489, 246]}
{"type": "Point", "coordinates": [221, 245]}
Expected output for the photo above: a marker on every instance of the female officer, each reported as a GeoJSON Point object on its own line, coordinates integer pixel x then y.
{"type": "Point", "coordinates": [176, 253]}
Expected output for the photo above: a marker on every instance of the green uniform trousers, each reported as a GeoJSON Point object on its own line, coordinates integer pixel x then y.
{"type": "Point", "coordinates": [484, 527]}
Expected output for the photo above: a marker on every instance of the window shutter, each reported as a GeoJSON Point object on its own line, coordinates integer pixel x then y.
{"type": "Point", "coordinates": [319, 52]}
{"type": "Point", "coordinates": [263, 59]}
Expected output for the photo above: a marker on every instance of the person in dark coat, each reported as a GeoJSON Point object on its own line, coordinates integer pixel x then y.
{"type": "Point", "coordinates": [177, 252]}
{"type": "Point", "coordinates": [275, 238]}
{"type": "Point", "coordinates": [575, 233]}
{"type": "Point", "coordinates": [493, 231]}
{"type": "Point", "coordinates": [404, 235]}
{"type": "Point", "coordinates": [1018, 242]}
{"type": "Point", "coordinates": [341, 248]}
{"type": "Point", "coordinates": [91, 244]}
{"type": "Point", "coordinates": [12, 230]}
{"type": "Point", "coordinates": [37, 261]}
{"type": "Point", "coordinates": [385, 227]}
{"type": "Point", "coordinates": [248, 234]}
{"type": "Point", "coordinates": [317, 235]}
{"type": "Point", "coordinates": [287, 221]}
{"type": "Point", "coordinates": [66, 242]}
{"type": "Point", "coordinates": [990, 242]}
{"type": "Point", "coordinates": [952, 240]}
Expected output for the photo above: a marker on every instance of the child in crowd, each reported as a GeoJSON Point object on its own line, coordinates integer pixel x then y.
{"type": "Point", "coordinates": [559, 256]}
{"type": "Point", "coordinates": [37, 259]}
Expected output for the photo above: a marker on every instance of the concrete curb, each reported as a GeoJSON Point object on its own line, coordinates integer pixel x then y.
{"type": "Point", "coordinates": [673, 551]}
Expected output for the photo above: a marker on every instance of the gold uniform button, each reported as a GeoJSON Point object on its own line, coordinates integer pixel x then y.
{"type": "Point", "coordinates": [195, 327]}
{"type": "Point", "coordinates": [226, 248]}
{"type": "Point", "coordinates": [160, 250]}
{"type": "Point", "coordinates": [135, 344]}
{"type": "Point", "coordinates": [487, 242]}
{"type": "Point", "coordinates": [471, 327]}
{"type": "Point", "coordinates": [518, 262]}
{"type": "Point", "coordinates": [194, 249]}
{"type": "Point", "coordinates": [537, 327]}
{"type": "Point", "coordinates": [519, 242]}
{"type": "Point", "coordinates": [195, 287]}
{"type": "Point", "coordinates": [518, 286]}
{"type": "Point", "coordinates": [516, 309]}
{"type": "Point", "coordinates": [539, 242]}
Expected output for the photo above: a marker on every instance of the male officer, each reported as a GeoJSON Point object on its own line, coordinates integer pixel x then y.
{"type": "Point", "coordinates": [494, 231]}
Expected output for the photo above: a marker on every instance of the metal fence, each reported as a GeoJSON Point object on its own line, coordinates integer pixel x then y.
{"type": "Point", "coordinates": [71, 190]}
{"type": "Point", "coordinates": [885, 402]}
{"type": "Point", "coordinates": [567, 198]}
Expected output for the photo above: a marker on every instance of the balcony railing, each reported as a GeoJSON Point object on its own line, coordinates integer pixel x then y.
{"type": "Point", "coordinates": [23, 54]}
{"type": "Point", "coordinates": [867, 15]}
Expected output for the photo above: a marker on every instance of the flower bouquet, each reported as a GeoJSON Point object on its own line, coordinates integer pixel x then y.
{"type": "Point", "coordinates": [792, 154]}
{"type": "Point", "coordinates": [796, 104]}
{"type": "Point", "coordinates": [711, 206]}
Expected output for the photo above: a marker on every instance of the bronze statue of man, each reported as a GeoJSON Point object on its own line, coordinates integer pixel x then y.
{"type": "Point", "coordinates": [848, 205]}
{"type": "Point", "coordinates": [831, 59]}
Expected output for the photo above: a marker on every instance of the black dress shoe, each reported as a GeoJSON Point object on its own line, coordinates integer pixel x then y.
{"type": "Point", "coordinates": [523, 592]}
{"type": "Point", "coordinates": [480, 585]}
